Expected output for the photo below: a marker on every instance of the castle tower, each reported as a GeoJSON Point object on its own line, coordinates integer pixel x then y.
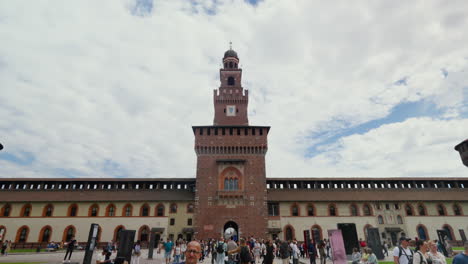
{"type": "Point", "coordinates": [230, 196]}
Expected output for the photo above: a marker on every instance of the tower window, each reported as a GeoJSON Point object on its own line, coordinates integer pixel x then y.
{"type": "Point", "coordinates": [230, 80]}
{"type": "Point", "coordinates": [225, 65]}
{"type": "Point", "coordinates": [230, 64]}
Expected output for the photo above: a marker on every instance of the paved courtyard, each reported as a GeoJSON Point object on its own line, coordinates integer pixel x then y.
{"type": "Point", "coordinates": [77, 257]}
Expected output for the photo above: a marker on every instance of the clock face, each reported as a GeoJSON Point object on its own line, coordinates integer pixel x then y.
{"type": "Point", "coordinates": [230, 110]}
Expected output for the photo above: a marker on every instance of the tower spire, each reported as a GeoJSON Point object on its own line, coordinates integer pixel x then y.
{"type": "Point", "coordinates": [230, 45]}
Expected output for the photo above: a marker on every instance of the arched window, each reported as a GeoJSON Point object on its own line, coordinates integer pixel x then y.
{"type": "Point", "coordinates": [93, 210]}
{"type": "Point", "coordinates": [190, 208]}
{"type": "Point", "coordinates": [110, 210]}
{"type": "Point", "coordinates": [449, 230]}
{"type": "Point", "coordinates": [353, 210]}
{"type": "Point", "coordinates": [294, 210]}
{"type": "Point", "coordinates": [332, 211]}
{"type": "Point", "coordinates": [231, 81]}
{"type": "Point", "coordinates": [45, 234]}
{"type": "Point", "coordinates": [173, 208]}
{"type": "Point", "coordinates": [68, 233]}
{"type": "Point", "coordinates": [422, 232]}
{"type": "Point", "coordinates": [230, 64]}
{"type": "Point", "coordinates": [143, 233]}
{"type": "Point", "coordinates": [380, 219]}
{"type": "Point", "coordinates": [22, 234]}
{"type": "Point", "coordinates": [226, 184]}
{"type": "Point", "coordinates": [316, 233]}
{"type": "Point", "coordinates": [72, 210]}
{"type": "Point", "coordinates": [367, 210]}
{"type": "Point", "coordinates": [160, 210]}
{"type": "Point", "coordinates": [409, 210]}
{"type": "Point", "coordinates": [26, 210]}
{"type": "Point", "coordinates": [310, 210]}
{"type": "Point", "coordinates": [231, 184]}
{"type": "Point", "coordinates": [144, 210]}
{"type": "Point", "coordinates": [457, 210]}
{"type": "Point", "coordinates": [48, 210]}
{"type": "Point", "coordinates": [127, 210]}
{"type": "Point", "coordinates": [399, 220]}
{"type": "Point", "coordinates": [288, 233]}
{"type": "Point", "coordinates": [366, 231]}
{"type": "Point", "coordinates": [117, 232]}
{"type": "Point", "coordinates": [422, 210]}
{"type": "Point", "coordinates": [441, 209]}
{"type": "Point", "coordinates": [6, 209]}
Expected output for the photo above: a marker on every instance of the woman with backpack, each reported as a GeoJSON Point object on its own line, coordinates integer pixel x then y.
{"type": "Point", "coordinates": [420, 256]}
{"type": "Point", "coordinates": [245, 256]}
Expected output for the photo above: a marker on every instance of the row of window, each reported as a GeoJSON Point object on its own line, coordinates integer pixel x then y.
{"type": "Point", "coordinates": [316, 232]}
{"type": "Point", "coordinates": [46, 233]}
{"type": "Point", "coordinates": [232, 130]}
{"type": "Point", "coordinates": [93, 210]}
{"type": "Point", "coordinates": [440, 208]}
{"type": "Point", "coordinates": [273, 210]}
{"type": "Point", "coordinates": [275, 184]}
{"type": "Point", "coordinates": [94, 186]}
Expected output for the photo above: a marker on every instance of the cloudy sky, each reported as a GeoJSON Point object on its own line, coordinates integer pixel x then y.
{"type": "Point", "coordinates": [350, 88]}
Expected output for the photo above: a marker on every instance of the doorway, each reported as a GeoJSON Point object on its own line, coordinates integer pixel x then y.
{"type": "Point", "coordinates": [231, 230]}
{"type": "Point", "coordinates": [350, 237]}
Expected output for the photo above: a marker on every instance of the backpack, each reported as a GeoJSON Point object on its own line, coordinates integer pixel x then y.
{"type": "Point", "coordinates": [220, 248]}
{"type": "Point", "coordinates": [284, 250]}
{"type": "Point", "coordinates": [400, 253]}
{"type": "Point", "coordinates": [245, 255]}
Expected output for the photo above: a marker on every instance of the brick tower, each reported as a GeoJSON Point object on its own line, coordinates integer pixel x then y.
{"type": "Point", "coordinates": [231, 182]}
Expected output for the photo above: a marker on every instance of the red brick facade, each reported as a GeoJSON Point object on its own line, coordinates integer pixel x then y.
{"type": "Point", "coordinates": [230, 178]}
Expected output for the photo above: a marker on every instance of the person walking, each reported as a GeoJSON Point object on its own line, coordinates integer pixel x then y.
{"type": "Point", "coordinates": [221, 248]}
{"type": "Point", "coordinates": [70, 247]}
{"type": "Point", "coordinates": [136, 253]}
{"type": "Point", "coordinates": [284, 252]}
{"type": "Point", "coordinates": [269, 252]}
{"type": "Point", "coordinates": [8, 248]}
{"type": "Point", "coordinates": [177, 252]}
{"type": "Point", "coordinates": [385, 248]}
{"type": "Point", "coordinates": [312, 252]}
{"type": "Point", "coordinates": [323, 255]}
{"type": "Point", "coordinates": [245, 256]}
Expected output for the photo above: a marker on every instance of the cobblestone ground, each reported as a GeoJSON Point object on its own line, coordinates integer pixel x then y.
{"type": "Point", "coordinates": [77, 257]}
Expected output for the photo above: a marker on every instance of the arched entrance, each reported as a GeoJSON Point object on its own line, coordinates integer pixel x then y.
{"type": "Point", "coordinates": [231, 230]}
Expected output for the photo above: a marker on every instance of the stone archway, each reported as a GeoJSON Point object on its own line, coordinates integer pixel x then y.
{"type": "Point", "coordinates": [231, 229]}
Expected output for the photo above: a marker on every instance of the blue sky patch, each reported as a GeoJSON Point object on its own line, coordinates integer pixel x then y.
{"type": "Point", "coordinates": [23, 158]}
{"type": "Point", "coordinates": [142, 8]}
{"type": "Point", "coordinates": [399, 113]}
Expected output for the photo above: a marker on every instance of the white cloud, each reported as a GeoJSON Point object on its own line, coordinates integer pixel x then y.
{"type": "Point", "coordinates": [88, 85]}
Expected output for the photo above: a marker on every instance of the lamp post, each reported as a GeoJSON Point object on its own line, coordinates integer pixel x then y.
{"type": "Point", "coordinates": [462, 148]}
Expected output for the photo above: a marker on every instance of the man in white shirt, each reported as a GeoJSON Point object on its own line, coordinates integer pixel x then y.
{"type": "Point", "coordinates": [403, 254]}
{"type": "Point", "coordinates": [101, 258]}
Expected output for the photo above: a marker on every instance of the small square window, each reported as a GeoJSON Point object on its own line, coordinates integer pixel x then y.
{"type": "Point", "coordinates": [172, 221]}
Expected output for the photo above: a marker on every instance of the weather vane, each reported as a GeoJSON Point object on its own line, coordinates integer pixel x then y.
{"type": "Point", "coordinates": [230, 45]}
